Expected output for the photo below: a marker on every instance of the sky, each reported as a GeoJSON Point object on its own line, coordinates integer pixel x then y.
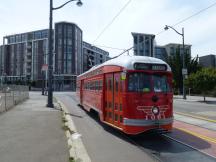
{"type": "Point", "coordinates": [142, 16]}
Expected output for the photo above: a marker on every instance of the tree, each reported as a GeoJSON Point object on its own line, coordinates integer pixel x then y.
{"type": "Point", "coordinates": [193, 66]}
{"type": "Point", "coordinates": [203, 80]}
{"type": "Point", "coordinates": [176, 64]}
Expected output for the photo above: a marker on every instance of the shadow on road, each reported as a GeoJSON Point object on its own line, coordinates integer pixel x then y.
{"type": "Point", "coordinates": [208, 102]}
{"type": "Point", "coordinates": [156, 143]}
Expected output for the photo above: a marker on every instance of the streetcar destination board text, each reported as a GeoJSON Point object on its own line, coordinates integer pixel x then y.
{"type": "Point", "coordinates": [142, 66]}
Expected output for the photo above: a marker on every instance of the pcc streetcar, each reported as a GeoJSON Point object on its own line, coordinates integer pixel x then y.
{"type": "Point", "coordinates": [131, 93]}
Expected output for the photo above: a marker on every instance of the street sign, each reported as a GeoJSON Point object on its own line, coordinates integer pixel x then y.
{"type": "Point", "coordinates": [44, 67]}
{"type": "Point", "coordinates": [184, 72]}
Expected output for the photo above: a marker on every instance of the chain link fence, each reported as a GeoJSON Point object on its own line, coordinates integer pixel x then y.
{"type": "Point", "coordinates": [11, 95]}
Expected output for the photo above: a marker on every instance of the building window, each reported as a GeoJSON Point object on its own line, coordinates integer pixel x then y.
{"type": "Point", "coordinates": [69, 41]}
{"type": "Point", "coordinates": [37, 35]}
{"type": "Point", "coordinates": [69, 30]}
{"type": "Point", "coordinates": [69, 66]}
{"type": "Point", "coordinates": [69, 49]}
{"type": "Point", "coordinates": [135, 39]}
{"type": "Point", "coordinates": [59, 30]}
{"type": "Point", "coordinates": [69, 56]}
{"type": "Point", "coordinates": [24, 37]}
{"type": "Point", "coordinates": [45, 34]}
{"type": "Point", "coordinates": [60, 41]}
{"type": "Point", "coordinates": [141, 39]}
{"type": "Point", "coordinates": [18, 38]}
{"type": "Point", "coordinates": [12, 39]}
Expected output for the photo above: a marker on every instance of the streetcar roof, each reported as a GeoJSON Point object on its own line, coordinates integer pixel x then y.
{"type": "Point", "coordinates": [128, 62]}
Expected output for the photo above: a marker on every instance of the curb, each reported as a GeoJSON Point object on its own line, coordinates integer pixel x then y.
{"type": "Point", "coordinates": [77, 151]}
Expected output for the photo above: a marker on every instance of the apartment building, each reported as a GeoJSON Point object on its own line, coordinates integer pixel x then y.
{"type": "Point", "coordinates": [208, 61]}
{"type": "Point", "coordinates": [22, 55]}
{"type": "Point", "coordinates": [93, 56]}
{"type": "Point", "coordinates": [143, 44]}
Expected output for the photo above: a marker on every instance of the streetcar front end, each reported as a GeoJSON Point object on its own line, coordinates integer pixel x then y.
{"type": "Point", "coordinates": [148, 101]}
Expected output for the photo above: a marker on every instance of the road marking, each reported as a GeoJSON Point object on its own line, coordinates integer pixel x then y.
{"type": "Point", "coordinates": [209, 139]}
{"type": "Point", "coordinates": [196, 117]}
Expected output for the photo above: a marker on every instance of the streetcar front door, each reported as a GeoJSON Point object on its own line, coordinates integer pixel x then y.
{"type": "Point", "coordinates": [81, 91]}
{"type": "Point", "coordinates": [117, 113]}
{"type": "Point", "coordinates": [109, 98]}
{"type": "Point", "coordinates": [113, 99]}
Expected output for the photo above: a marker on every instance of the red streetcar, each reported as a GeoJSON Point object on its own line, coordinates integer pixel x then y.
{"type": "Point", "coordinates": [130, 93]}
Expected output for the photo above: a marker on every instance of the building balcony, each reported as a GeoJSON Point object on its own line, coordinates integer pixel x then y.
{"type": "Point", "coordinates": [28, 54]}
{"type": "Point", "coordinates": [28, 61]}
{"type": "Point", "coordinates": [29, 46]}
{"type": "Point", "coordinates": [28, 73]}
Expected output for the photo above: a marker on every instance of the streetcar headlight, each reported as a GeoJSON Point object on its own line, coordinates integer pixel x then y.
{"type": "Point", "coordinates": [155, 110]}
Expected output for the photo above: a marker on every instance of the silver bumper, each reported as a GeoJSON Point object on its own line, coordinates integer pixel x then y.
{"type": "Point", "coordinates": [143, 122]}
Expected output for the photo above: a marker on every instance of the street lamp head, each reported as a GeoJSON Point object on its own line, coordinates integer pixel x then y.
{"type": "Point", "coordinates": [79, 3]}
{"type": "Point", "coordinates": [166, 27]}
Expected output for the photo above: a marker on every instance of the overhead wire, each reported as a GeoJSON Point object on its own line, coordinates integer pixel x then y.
{"type": "Point", "coordinates": [114, 18]}
{"type": "Point", "coordinates": [189, 17]}
{"type": "Point", "coordinates": [121, 10]}
{"type": "Point", "coordinates": [115, 48]}
{"type": "Point", "coordinates": [179, 22]}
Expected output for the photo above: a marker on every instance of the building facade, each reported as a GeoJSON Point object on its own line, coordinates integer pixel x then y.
{"type": "Point", "coordinates": [1, 59]}
{"type": "Point", "coordinates": [172, 48]}
{"type": "Point", "coordinates": [161, 53]}
{"type": "Point", "coordinates": [68, 48]}
{"type": "Point", "coordinates": [68, 55]}
{"type": "Point", "coordinates": [208, 61]}
{"type": "Point", "coordinates": [23, 55]}
{"type": "Point", "coordinates": [143, 44]}
{"type": "Point", "coordinates": [93, 55]}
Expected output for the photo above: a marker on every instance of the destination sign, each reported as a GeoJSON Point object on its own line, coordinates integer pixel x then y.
{"type": "Point", "coordinates": [159, 67]}
{"type": "Point", "coordinates": [155, 67]}
{"type": "Point", "coordinates": [141, 66]}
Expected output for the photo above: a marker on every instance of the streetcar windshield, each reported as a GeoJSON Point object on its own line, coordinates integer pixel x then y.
{"type": "Point", "coordinates": [141, 82]}
{"type": "Point", "coordinates": [160, 83]}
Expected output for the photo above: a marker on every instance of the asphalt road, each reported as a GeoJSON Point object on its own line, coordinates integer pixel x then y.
{"type": "Point", "coordinates": [105, 144]}
{"type": "Point", "coordinates": [207, 110]}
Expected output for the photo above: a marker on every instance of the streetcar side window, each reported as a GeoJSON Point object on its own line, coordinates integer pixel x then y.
{"type": "Point", "coordinates": [96, 86]}
{"type": "Point", "coordinates": [110, 84]}
{"type": "Point", "coordinates": [92, 85]}
{"type": "Point", "coordinates": [88, 85]}
{"type": "Point", "coordinates": [100, 85]}
{"type": "Point", "coordinates": [116, 85]}
{"type": "Point", "coordinates": [107, 84]}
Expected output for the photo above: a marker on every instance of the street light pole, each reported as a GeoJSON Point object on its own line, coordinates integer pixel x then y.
{"type": "Point", "coordinates": [50, 59]}
{"type": "Point", "coordinates": [50, 54]}
{"type": "Point", "coordinates": [183, 57]}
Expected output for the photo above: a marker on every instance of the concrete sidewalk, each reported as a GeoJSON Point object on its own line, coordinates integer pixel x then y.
{"type": "Point", "coordinates": [31, 132]}
{"type": "Point", "coordinates": [209, 100]}
{"type": "Point", "coordinates": [195, 121]}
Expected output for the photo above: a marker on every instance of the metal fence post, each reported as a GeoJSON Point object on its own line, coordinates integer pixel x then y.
{"type": "Point", "coordinates": [5, 99]}
{"type": "Point", "coordinates": [13, 95]}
